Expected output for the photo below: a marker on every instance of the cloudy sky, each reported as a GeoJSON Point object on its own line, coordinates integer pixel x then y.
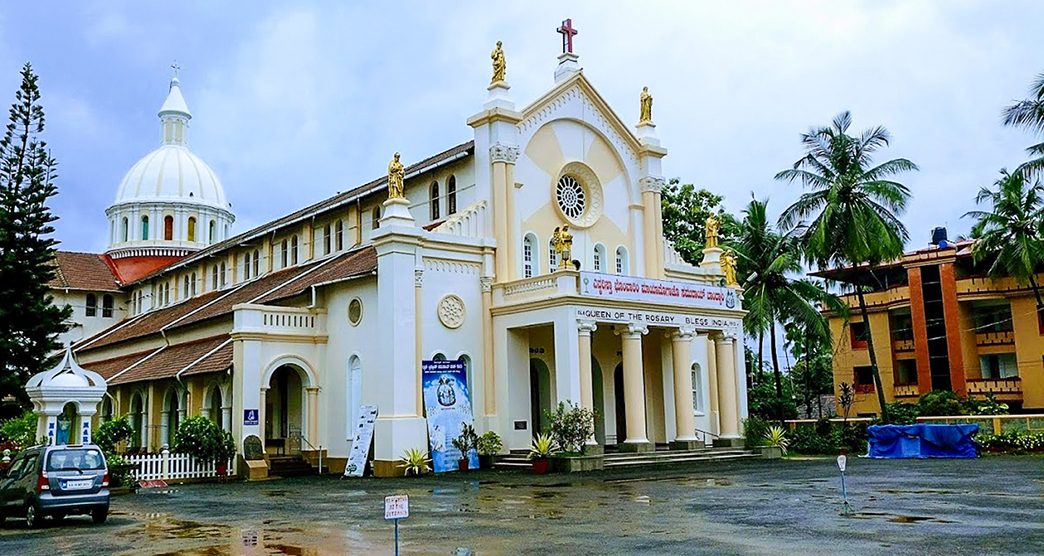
{"type": "Point", "coordinates": [293, 103]}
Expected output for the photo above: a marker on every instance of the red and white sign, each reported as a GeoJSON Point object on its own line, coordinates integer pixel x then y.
{"type": "Point", "coordinates": [632, 288]}
{"type": "Point", "coordinates": [397, 506]}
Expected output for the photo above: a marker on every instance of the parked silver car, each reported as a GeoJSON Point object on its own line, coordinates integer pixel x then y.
{"type": "Point", "coordinates": [55, 481]}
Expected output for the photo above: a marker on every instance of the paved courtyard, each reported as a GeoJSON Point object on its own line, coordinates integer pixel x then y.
{"type": "Point", "coordinates": [990, 505]}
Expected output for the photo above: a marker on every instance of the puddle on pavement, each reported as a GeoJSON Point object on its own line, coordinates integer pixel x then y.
{"type": "Point", "coordinates": [899, 518]}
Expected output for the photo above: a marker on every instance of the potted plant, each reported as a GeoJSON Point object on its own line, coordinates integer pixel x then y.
{"type": "Point", "coordinates": [571, 427]}
{"type": "Point", "coordinates": [415, 461]}
{"type": "Point", "coordinates": [488, 446]}
{"type": "Point", "coordinates": [543, 447]}
{"type": "Point", "coordinates": [224, 451]}
{"type": "Point", "coordinates": [465, 443]}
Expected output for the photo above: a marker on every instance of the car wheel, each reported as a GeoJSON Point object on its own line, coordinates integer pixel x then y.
{"type": "Point", "coordinates": [32, 516]}
{"type": "Point", "coordinates": [100, 515]}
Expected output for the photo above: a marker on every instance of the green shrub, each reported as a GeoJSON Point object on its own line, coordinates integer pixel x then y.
{"type": "Point", "coordinates": [1012, 442]}
{"type": "Point", "coordinates": [112, 432]}
{"type": "Point", "coordinates": [489, 444]}
{"type": "Point", "coordinates": [807, 440]}
{"type": "Point", "coordinates": [20, 431]}
{"type": "Point", "coordinates": [756, 431]}
{"type": "Point", "coordinates": [903, 413]}
{"type": "Point", "coordinates": [853, 437]}
{"type": "Point", "coordinates": [199, 437]}
{"type": "Point", "coordinates": [989, 406]}
{"type": "Point", "coordinates": [940, 402]}
{"type": "Point", "coordinates": [119, 471]}
{"type": "Point", "coordinates": [570, 427]}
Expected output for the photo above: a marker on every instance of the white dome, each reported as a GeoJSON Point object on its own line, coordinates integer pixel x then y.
{"type": "Point", "coordinates": [172, 173]}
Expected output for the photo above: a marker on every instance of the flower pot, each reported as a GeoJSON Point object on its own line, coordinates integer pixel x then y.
{"type": "Point", "coordinates": [486, 462]}
{"type": "Point", "coordinates": [222, 469]}
{"type": "Point", "coordinates": [462, 464]}
{"type": "Point", "coordinates": [541, 466]}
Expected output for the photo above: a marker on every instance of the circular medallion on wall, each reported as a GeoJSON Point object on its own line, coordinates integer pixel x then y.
{"type": "Point", "coordinates": [355, 311]}
{"type": "Point", "coordinates": [451, 311]}
{"type": "Point", "coordinates": [578, 195]}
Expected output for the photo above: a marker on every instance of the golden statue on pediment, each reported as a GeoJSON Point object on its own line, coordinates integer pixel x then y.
{"type": "Point", "coordinates": [499, 63]}
{"type": "Point", "coordinates": [710, 232]}
{"type": "Point", "coordinates": [645, 101]}
{"type": "Point", "coordinates": [396, 175]}
{"type": "Point", "coordinates": [728, 267]}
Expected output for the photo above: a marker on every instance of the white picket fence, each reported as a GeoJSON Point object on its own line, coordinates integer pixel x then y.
{"type": "Point", "coordinates": [167, 466]}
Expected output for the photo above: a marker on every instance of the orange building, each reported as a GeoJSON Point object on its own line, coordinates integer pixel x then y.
{"type": "Point", "coordinates": [939, 323]}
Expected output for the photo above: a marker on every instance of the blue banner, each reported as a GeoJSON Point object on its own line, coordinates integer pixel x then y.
{"type": "Point", "coordinates": [447, 402]}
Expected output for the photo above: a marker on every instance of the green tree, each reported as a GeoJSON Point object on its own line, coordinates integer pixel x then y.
{"type": "Point", "coordinates": [849, 214]}
{"type": "Point", "coordinates": [769, 263]}
{"type": "Point", "coordinates": [685, 211]}
{"type": "Point", "coordinates": [1009, 237]}
{"type": "Point", "coordinates": [812, 373]}
{"type": "Point", "coordinates": [1029, 114]}
{"type": "Point", "coordinates": [29, 321]}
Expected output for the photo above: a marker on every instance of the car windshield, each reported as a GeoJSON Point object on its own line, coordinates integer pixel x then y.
{"type": "Point", "coordinates": [75, 458]}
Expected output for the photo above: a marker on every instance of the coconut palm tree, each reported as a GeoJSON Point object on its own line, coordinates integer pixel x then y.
{"type": "Point", "coordinates": [1010, 236]}
{"type": "Point", "coordinates": [1029, 114]}
{"type": "Point", "coordinates": [850, 211]}
{"type": "Point", "coordinates": [769, 261]}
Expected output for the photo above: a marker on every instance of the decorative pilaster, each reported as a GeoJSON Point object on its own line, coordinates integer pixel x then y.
{"type": "Point", "coordinates": [488, 376]}
{"type": "Point", "coordinates": [728, 401]}
{"type": "Point", "coordinates": [585, 328]}
{"type": "Point", "coordinates": [502, 156]}
{"type": "Point", "coordinates": [634, 387]}
{"type": "Point", "coordinates": [684, 418]}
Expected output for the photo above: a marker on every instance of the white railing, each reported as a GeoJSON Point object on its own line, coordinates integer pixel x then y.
{"type": "Point", "coordinates": [536, 283]}
{"type": "Point", "coordinates": [466, 223]}
{"type": "Point", "coordinates": [267, 319]}
{"type": "Point", "coordinates": [167, 466]}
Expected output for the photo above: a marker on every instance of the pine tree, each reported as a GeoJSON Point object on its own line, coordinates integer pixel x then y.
{"type": "Point", "coordinates": [29, 321]}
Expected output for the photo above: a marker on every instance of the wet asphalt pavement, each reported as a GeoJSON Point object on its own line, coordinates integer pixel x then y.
{"type": "Point", "coordinates": [991, 505]}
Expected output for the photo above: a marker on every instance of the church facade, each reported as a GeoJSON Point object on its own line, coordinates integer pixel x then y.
{"type": "Point", "coordinates": [285, 331]}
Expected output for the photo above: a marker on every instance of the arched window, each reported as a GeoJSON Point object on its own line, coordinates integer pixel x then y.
{"type": "Point", "coordinates": [433, 199]}
{"type": "Point", "coordinates": [124, 231]}
{"type": "Point", "coordinates": [284, 251]}
{"type": "Point", "coordinates": [376, 217]}
{"type": "Point", "coordinates": [92, 305]}
{"type": "Point", "coordinates": [193, 282]}
{"type": "Point", "coordinates": [529, 263]}
{"type": "Point", "coordinates": [451, 195]}
{"type": "Point", "coordinates": [168, 227]}
{"type": "Point", "coordinates": [221, 282]}
{"type": "Point", "coordinates": [621, 260]}
{"type": "Point", "coordinates": [212, 234]}
{"type": "Point", "coordinates": [326, 239]}
{"type": "Point", "coordinates": [192, 228]}
{"type": "Point", "coordinates": [257, 263]}
{"type": "Point", "coordinates": [106, 412]}
{"type": "Point", "coordinates": [107, 306]}
{"type": "Point", "coordinates": [339, 241]}
{"type": "Point", "coordinates": [246, 266]}
{"type": "Point", "coordinates": [697, 388]}
{"type": "Point", "coordinates": [145, 228]}
{"type": "Point", "coordinates": [599, 258]}
{"type": "Point", "coordinates": [552, 257]}
{"type": "Point", "coordinates": [214, 278]}
{"type": "Point", "coordinates": [185, 287]}
{"type": "Point", "coordinates": [354, 394]}
{"type": "Point", "coordinates": [293, 250]}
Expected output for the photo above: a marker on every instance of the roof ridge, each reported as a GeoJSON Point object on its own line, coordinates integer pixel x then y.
{"type": "Point", "coordinates": [300, 275]}
{"type": "Point", "coordinates": [138, 362]}
{"type": "Point", "coordinates": [177, 375]}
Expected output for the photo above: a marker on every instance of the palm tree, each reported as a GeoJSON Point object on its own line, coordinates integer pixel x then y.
{"type": "Point", "coordinates": [769, 261]}
{"type": "Point", "coordinates": [1029, 114]}
{"type": "Point", "coordinates": [852, 207]}
{"type": "Point", "coordinates": [1010, 236]}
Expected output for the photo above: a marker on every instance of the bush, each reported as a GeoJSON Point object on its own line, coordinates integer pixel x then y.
{"type": "Point", "coordinates": [903, 413]}
{"type": "Point", "coordinates": [199, 437]}
{"type": "Point", "coordinates": [939, 403]}
{"type": "Point", "coordinates": [489, 444]}
{"type": "Point", "coordinates": [20, 431]}
{"type": "Point", "coordinates": [853, 438]}
{"type": "Point", "coordinates": [119, 470]}
{"type": "Point", "coordinates": [1013, 442]}
{"type": "Point", "coordinates": [756, 431]}
{"type": "Point", "coordinates": [989, 406]}
{"type": "Point", "coordinates": [807, 440]}
{"type": "Point", "coordinates": [112, 432]}
{"type": "Point", "coordinates": [570, 426]}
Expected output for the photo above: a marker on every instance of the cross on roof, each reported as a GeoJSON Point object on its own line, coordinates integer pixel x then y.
{"type": "Point", "coordinates": [175, 68]}
{"type": "Point", "coordinates": [567, 32]}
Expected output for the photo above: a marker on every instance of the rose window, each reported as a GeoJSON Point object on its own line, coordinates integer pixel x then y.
{"type": "Point", "coordinates": [572, 198]}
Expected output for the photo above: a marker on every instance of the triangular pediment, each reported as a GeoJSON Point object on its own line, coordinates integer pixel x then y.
{"type": "Point", "coordinates": [561, 101]}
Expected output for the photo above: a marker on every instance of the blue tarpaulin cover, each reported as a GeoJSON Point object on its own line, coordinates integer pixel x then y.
{"type": "Point", "coordinates": [922, 441]}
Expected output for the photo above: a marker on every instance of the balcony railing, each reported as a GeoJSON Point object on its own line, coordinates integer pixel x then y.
{"type": "Point", "coordinates": [267, 319]}
{"type": "Point", "coordinates": [995, 338]}
{"type": "Point", "coordinates": [907, 391]}
{"type": "Point", "coordinates": [903, 345]}
{"type": "Point", "coordinates": [1012, 385]}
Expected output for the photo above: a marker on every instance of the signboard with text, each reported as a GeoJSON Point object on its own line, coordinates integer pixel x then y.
{"type": "Point", "coordinates": [250, 416]}
{"type": "Point", "coordinates": [447, 401]}
{"type": "Point", "coordinates": [397, 506]}
{"type": "Point", "coordinates": [360, 451]}
{"type": "Point", "coordinates": [633, 288]}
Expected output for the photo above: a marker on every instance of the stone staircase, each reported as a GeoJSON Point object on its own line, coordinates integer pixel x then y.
{"type": "Point", "coordinates": [621, 460]}
{"type": "Point", "coordinates": [289, 466]}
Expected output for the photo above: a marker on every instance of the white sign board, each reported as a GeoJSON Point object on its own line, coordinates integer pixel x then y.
{"type": "Point", "coordinates": [361, 443]}
{"type": "Point", "coordinates": [397, 506]}
{"type": "Point", "coordinates": [841, 462]}
{"type": "Point", "coordinates": [671, 292]}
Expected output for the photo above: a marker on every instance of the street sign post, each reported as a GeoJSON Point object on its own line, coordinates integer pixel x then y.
{"type": "Point", "coordinates": [396, 507]}
{"type": "Point", "coordinates": [842, 462]}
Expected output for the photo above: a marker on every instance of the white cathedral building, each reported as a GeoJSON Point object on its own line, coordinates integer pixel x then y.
{"type": "Point", "coordinates": [284, 331]}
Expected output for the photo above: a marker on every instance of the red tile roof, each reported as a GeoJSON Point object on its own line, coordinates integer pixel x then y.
{"type": "Point", "coordinates": [207, 355]}
{"type": "Point", "coordinates": [83, 271]}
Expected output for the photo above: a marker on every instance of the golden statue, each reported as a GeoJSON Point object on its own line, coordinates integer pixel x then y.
{"type": "Point", "coordinates": [562, 243]}
{"type": "Point", "coordinates": [499, 63]}
{"type": "Point", "coordinates": [710, 232]}
{"type": "Point", "coordinates": [728, 267]}
{"type": "Point", "coordinates": [646, 107]}
{"type": "Point", "coordinates": [396, 173]}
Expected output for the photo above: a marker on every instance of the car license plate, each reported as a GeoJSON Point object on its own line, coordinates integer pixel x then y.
{"type": "Point", "coordinates": [78, 485]}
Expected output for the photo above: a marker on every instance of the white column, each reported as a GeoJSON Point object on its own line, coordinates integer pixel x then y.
{"type": "Point", "coordinates": [568, 375]}
{"type": "Point", "coordinates": [712, 385]}
{"type": "Point", "coordinates": [681, 356]}
{"type": "Point", "coordinates": [634, 385]}
{"type": "Point", "coordinates": [727, 400]}
{"type": "Point", "coordinates": [262, 394]}
{"type": "Point", "coordinates": [313, 415]}
{"type": "Point", "coordinates": [585, 328]}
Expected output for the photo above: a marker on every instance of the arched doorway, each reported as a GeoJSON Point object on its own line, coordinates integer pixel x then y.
{"type": "Point", "coordinates": [171, 418]}
{"type": "Point", "coordinates": [598, 401]}
{"type": "Point", "coordinates": [213, 408]}
{"type": "Point", "coordinates": [284, 410]}
{"type": "Point", "coordinates": [137, 413]}
{"type": "Point", "coordinates": [539, 393]}
{"type": "Point", "coordinates": [621, 407]}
